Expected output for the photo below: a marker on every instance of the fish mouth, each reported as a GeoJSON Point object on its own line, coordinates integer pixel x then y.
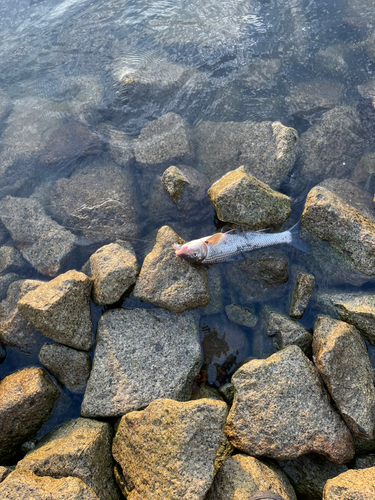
{"type": "Point", "coordinates": [180, 249]}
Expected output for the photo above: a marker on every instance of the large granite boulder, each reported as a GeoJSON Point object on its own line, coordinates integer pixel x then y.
{"type": "Point", "coordinates": [79, 448]}
{"type": "Point", "coordinates": [240, 198]}
{"type": "Point", "coordinates": [358, 484]}
{"type": "Point", "coordinates": [339, 348]}
{"type": "Point", "coordinates": [272, 393]}
{"type": "Point", "coordinates": [41, 240]}
{"type": "Point", "coordinates": [169, 281]}
{"type": "Point", "coordinates": [135, 347]}
{"type": "Point", "coordinates": [168, 450]}
{"type": "Point", "coordinates": [27, 398]}
{"type": "Point", "coordinates": [60, 309]}
{"type": "Point", "coordinates": [266, 149]}
{"type": "Point", "coordinates": [339, 212]}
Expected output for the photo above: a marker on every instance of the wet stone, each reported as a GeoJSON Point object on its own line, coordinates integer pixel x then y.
{"type": "Point", "coordinates": [60, 309]}
{"type": "Point", "coordinates": [241, 475]}
{"type": "Point", "coordinates": [273, 392]}
{"type": "Point", "coordinates": [114, 269]}
{"type": "Point", "coordinates": [134, 346]}
{"type": "Point", "coordinates": [169, 281]}
{"type": "Point", "coordinates": [80, 448]}
{"type": "Point", "coordinates": [358, 484]}
{"type": "Point", "coordinates": [24, 485]}
{"type": "Point", "coordinates": [70, 367]}
{"type": "Point", "coordinates": [350, 382]}
{"type": "Point", "coordinates": [308, 98]}
{"type": "Point", "coordinates": [285, 332]}
{"type": "Point", "coordinates": [164, 140]}
{"type": "Point", "coordinates": [309, 473]}
{"type": "Point", "coordinates": [5, 104]}
{"type": "Point", "coordinates": [41, 240]}
{"type": "Point", "coordinates": [27, 398]}
{"type": "Point", "coordinates": [364, 462]}
{"type": "Point", "coordinates": [215, 289]}
{"type": "Point", "coordinates": [174, 180]}
{"type": "Point", "coordinates": [10, 259]}
{"type": "Point", "coordinates": [302, 293]}
{"type": "Point", "coordinates": [266, 149]}
{"type": "Point", "coordinates": [240, 198]}
{"type": "Point", "coordinates": [363, 173]}
{"type": "Point", "coordinates": [227, 391]}
{"type": "Point", "coordinates": [332, 60]}
{"type": "Point", "coordinates": [5, 281]}
{"type": "Point", "coordinates": [240, 315]}
{"type": "Point", "coordinates": [165, 468]}
{"type": "Point", "coordinates": [121, 147]}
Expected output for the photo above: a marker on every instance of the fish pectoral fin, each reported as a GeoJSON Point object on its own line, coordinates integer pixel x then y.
{"type": "Point", "coordinates": [215, 239]}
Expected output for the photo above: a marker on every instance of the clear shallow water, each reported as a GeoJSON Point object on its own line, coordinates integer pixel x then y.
{"type": "Point", "coordinates": [213, 60]}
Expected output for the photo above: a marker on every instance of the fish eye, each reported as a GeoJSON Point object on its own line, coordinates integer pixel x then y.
{"type": "Point", "coordinates": [195, 255]}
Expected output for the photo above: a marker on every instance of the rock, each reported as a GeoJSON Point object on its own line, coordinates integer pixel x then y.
{"type": "Point", "coordinates": [302, 293]}
{"type": "Point", "coordinates": [10, 259]}
{"type": "Point", "coordinates": [5, 104]}
{"type": "Point", "coordinates": [309, 473]}
{"type": "Point", "coordinates": [15, 331]}
{"type": "Point", "coordinates": [365, 169]}
{"type": "Point", "coordinates": [165, 468]}
{"type": "Point", "coordinates": [165, 140]}
{"type": "Point", "coordinates": [331, 146]}
{"type": "Point", "coordinates": [26, 401]}
{"type": "Point", "coordinates": [60, 309]}
{"type": "Point", "coordinates": [70, 367]}
{"type": "Point", "coordinates": [261, 274]}
{"type": "Point", "coordinates": [285, 332]}
{"type": "Point", "coordinates": [5, 281]}
{"type": "Point", "coordinates": [241, 316]}
{"type": "Point", "coordinates": [241, 475]}
{"type": "Point", "coordinates": [4, 472]}
{"type": "Point", "coordinates": [364, 462]}
{"type": "Point", "coordinates": [121, 147]}
{"type": "Point", "coordinates": [227, 391]}
{"type": "Point", "coordinates": [80, 448]}
{"type": "Point", "coordinates": [99, 201]}
{"type": "Point", "coordinates": [272, 393]}
{"type": "Point", "coordinates": [215, 289]}
{"type": "Point", "coordinates": [169, 281]}
{"type": "Point", "coordinates": [337, 211]}
{"type": "Point", "coordinates": [358, 484]}
{"type": "Point", "coordinates": [260, 73]}
{"type": "Point", "coordinates": [41, 241]}
{"type": "Point", "coordinates": [24, 485]}
{"type": "Point", "coordinates": [308, 98]}
{"type": "Point", "coordinates": [206, 392]}
{"type": "Point", "coordinates": [332, 60]}
{"type": "Point", "coordinates": [240, 198]}
{"type": "Point", "coordinates": [266, 149]}
{"type": "Point", "coordinates": [134, 346]}
{"type": "Point", "coordinates": [350, 382]}
{"type": "Point", "coordinates": [114, 269]}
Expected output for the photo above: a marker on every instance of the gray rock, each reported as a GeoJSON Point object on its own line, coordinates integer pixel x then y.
{"type": "Point", "coordinates": [227, 391]}
{"type": "Point", "coordinates": [240, 315]}
{"type": "Point", "coordinates": [26, 401]}
{"type": "Point", "coordinates": [80, 448]}
{"type": "Point", "coordinates": [308, 98]}
{"type": "Point", "coordinates": [41, 240]}
{"type": "Point", "coordinates": [99, 201]}
{"type": "Point", "coordinates": [340, 355]}
{"type": "Point", "coordinates": [70, 367]}
{"type": "Point", "coordinates": [165, 468]}
{"type": "Point", "coordinates": [332, 60]}
{"type": "Point", "coordinates": [169, 281]}
{"type": "Point", "coordinates": [121, 147]}
{"type": "Point", "coordinates": [358, 484]}
{"type": "Point", "coordinates": [5, 281]}
{"type": "Point", "coordinates": [364, 462]}
{"type": "Point", "coordinates": [285, 332]}
{"type": "Point", "coordinates": [10, 259]}
{"type": "Point", "coordinates": [215, 290]}
{"type": "Point", "coordinates": [240, 198]}
{"type": "Point", "coordinates": [331, 146]}
{"type": "Point", "coordinates": [241, 475]}
{"type": "Point", "coordinates": [339, 212]}
{"type": "Point", "coordinates": [303, 290]}
{"type": "Point", "coordinates": [60, 309]}
{"type": "Point", "coordinates": [165, 140]}
{"type": "Point", "coordinates": [272, 393]}
{"type": "Point", "coordinates": [364, 169]}
{"type": "Point", "coordinates": [114, 269]}
{"type": "Point", "coordinates": [4, 104]}
{"type": "Point", "coordinates": [134, 346]}
{"type": "Point", "coordinates": [15, 331]}
{"type": "Point", "coordinates": [260, 73]}
{"type": "Point", "coordinates": [266, 149]}
{"type": "Point", "coordinates": [25, 485]}
{"type": "Point", "coordinates": [309, 473]}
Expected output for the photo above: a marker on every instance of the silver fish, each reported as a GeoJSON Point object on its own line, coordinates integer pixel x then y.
{"type": "Point", "coordinates": [221, 247]}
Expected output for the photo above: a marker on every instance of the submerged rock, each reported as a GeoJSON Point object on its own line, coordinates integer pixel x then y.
{"type": "Point", "coordinates": [134, 347]}
{"type": "Point", "coordinates": [27, 398]}
{"type": "Point", "coordinates": [240, 198]}
{"type": "Point", "coordinates": [121, 147]}
{"type": "Point", "coordinates": [5, 281]}
{"type": "Point", "coordinates": [285, 332]}
{"type": "Point", "coordinates": [358, 484]}
{"type": "Point", "coordinates": [169, 281]}
{"type": "Point", "coordinates": [266, 149]}
{"type": "Point", "coordinates": [10, 259]}
{"type": "Point", "coordinates": [60, 309]}
{"type": "Point", "coordinates": [273, 392]}
{"type": "Point", "coordinates": [308, 98]}
{"type": "Point", "coordinates": [302, 293]}
{"type": "Point", "coordinates": [162, 467]}
{"type": "Point", "coordinates": [41, 240]}
{"type": "Point", "coordinates": [240, 315]}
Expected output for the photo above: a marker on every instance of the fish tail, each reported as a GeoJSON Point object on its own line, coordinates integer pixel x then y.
{"type": "Point", "coordinates": [296, 241]}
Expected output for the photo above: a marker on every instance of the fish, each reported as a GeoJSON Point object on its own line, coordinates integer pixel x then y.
{"type": "Point", "coordinates": [221, 247]}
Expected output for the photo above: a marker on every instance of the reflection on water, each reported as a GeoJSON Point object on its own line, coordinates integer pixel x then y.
{"type": "Point", "coordinates": [81, 77]}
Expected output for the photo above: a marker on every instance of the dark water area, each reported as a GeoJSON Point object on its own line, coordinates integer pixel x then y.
{"type": "Point", "coordinates": [63, 67]}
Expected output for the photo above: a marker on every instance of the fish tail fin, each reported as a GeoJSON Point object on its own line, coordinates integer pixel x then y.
{"type": "Point", "coordinates": [296, 241]}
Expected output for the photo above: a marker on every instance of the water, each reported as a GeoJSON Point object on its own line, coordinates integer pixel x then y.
{"type": "Point", "coordinates": [62, 63]}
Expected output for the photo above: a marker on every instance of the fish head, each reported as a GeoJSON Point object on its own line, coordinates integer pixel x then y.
{"type": "Point", "coordinates": [192, 252]}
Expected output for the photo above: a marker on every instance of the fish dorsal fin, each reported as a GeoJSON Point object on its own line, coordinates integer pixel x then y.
{"type": "Point", "coordinates": [215, 238]}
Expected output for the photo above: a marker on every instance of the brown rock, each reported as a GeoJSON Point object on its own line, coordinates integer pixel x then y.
{"type": "Point", "coordinates": [302, 293]}
{"type": "Point", "coordinates": [352, 484]}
